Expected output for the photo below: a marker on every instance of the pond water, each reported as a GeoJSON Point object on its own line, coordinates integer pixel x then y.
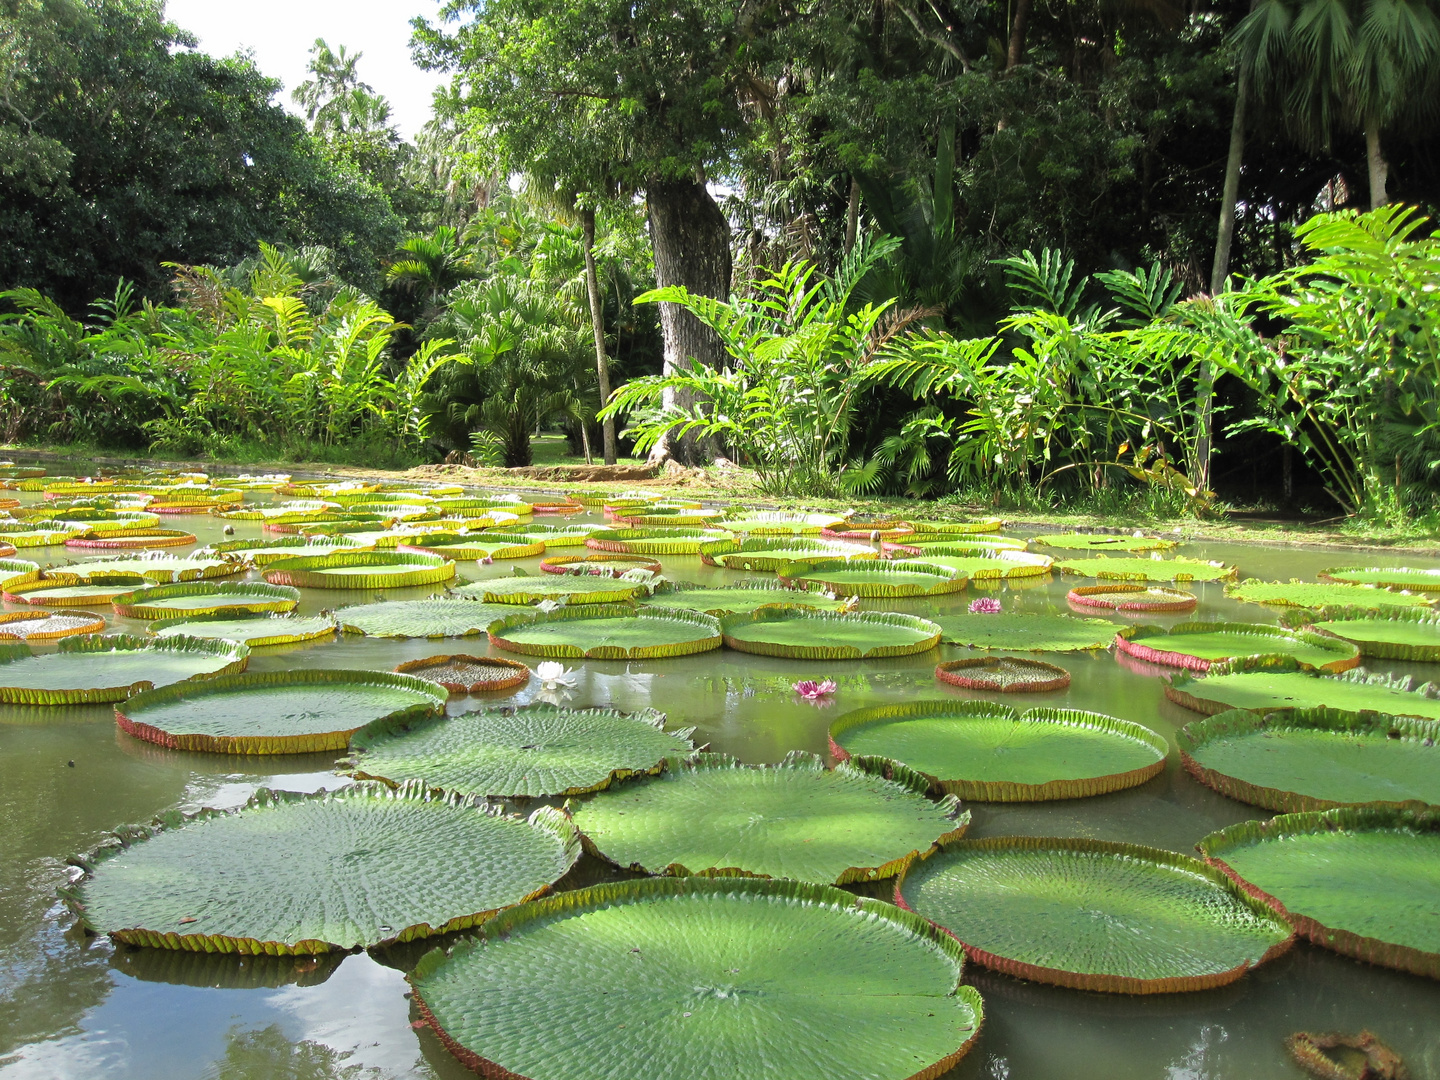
{"type": "Point", "coordinates": [72, 1006]}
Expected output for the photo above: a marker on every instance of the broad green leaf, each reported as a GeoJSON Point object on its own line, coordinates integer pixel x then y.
{"type": "Point", "coordinates": [652, 541]}
{"type": "Point", "coordinates": [1391, 634]}
{"type": "Point", "coordinates": [805, 633]}
{"type": "Point", "coordinates": [1003, 674]}
{"type": "Point", "coordinates": [1020, 631]}
{"type": "Point", "coordinates": [601, 632]}
{"type": "Point", "coordinates": [1313, 595]}
{"type": "Point", "coordinates": [1122, 569]}
{"type": "Point", "coordinates": [734, 597]}
{"type": "Point", "coordinates": [434, 618]}
{"type": "Point", "coordinates": [254, 630]}
{"type": "Point", "coordinates": [1154, 599]}
{"type": "Point", "coordinates": [360, 570]}
{"type": "Point", "coordinates": [1196, 645]}
{"type": "Point", "coordinates": [874, 578]}
{"type": "Point", "coordinates": [761, 554]}
{"type": "Point", "coordinates": [1395, 577]}
{"type": "Point", "coordinates": [206, 598]}
{"type": "Point", "coordinates": [92, 668]}
{"type": "Point", "coordinates": [1264, 684]}
{"type": "Point", "coordinates": [49, 625]}
{"type": "Point", "coordinates": [1102, 542]}
{"type": "Point", "coordinates": [574, 588]}
{"type": "Point", "coordinates": [469, 548]}
{"type": "Point", "coordinates": [159, 568]}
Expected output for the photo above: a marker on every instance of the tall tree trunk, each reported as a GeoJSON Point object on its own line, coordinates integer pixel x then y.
{"type": "Point", "coordinates": [1379, 167]}
{"type": "Point", "coordinates": [691, 239]}
{"type": "Point", "coordinates": [597, 324]}
{"type": "Point", "coordinates": [1016, 51]}
{"type": "Point", "coordinates": [852, 215]}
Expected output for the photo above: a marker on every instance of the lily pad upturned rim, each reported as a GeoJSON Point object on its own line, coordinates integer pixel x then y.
{"type": "Point", "coordinates": [1042, 631]}
{"type": "Point", "coordinates": [239, 659]}
{"type": "Point", "coordinates": [738, 587]}
{"type": "Point", "coordinates": [1183, 689]}
{"type": "Point", "coordinates": [283, 634]}
{"type": "Point", "coordinates": [235, 597]}
{"type": "Point", "coordinates": [158, 567]}
{"type": "Point", "coordinates": [605, 564]}
{"type": "Point", "coordinates": [569, 589]}
{"type": "Point", "coordinates": [128, 721]}
{"type": "Point", "coordinates": [1143, 569]}
{"type": "Point", "coordinates": [707, 641]}
{"type": "Point", "coordinates": [730, 624]}
{"type": "Point", "coordinates": [1331, 621]}
{"type": "Point", "coordinates": [545, 819]}
{"type": "Point", "coordinates": [960, 528]}
{"type": "Point", "coordinates": [1269, 639]}
{"type": "Point", "coordinates": [1347, 595]}
{"type": "Point", "coordinates": [96, 625]}
{"type": "Point", "coordinates": [1048, 677]}
{"type": "Point", "coordinates": [1125, 597]}
{"type": "Point", "coordinates": [759, 553]}
{"type": "Point", "coordinates": [994, 563]}
{"type": "Point", "coordinates": [260, 553]}
{"type": "Point", "coordinates": [454, 546]}
{"type": "Point", "coordinates": [473, 617]}
{"type": "Point", "coordinates": [16, 572]}
{"type": "Point", "coordinates": [1426, 581]}
{"type": "Point", "coordinates": [1215, 846]}
{"type": "Point", "coordinates": [310, 571]}
{"type": "Point", "coordinates": [1010, 790]}
{"type": "Point", "coordinates": [810, 574]}
{"type": "Point", "coordinates": [516, 920]}
{"type": "Point", "coordinates": [1083, 541]}
{"type": "Point", "coordinates": [1193, 736]}
{"type": "Point", "coordinates": [38, 591]}
{"type": "Point", "coordinates": [1104, 982]}
{"type": "Point", "coordinates": [518, 676]}
{"type": "Point", "coordinates": [120, 539]}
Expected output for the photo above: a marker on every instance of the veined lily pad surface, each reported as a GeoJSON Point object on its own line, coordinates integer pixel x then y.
{"type": "Point", "coordinates": [979, 750]}
{"type": "Point", "coordinates": [771, 554]}
{"type": "Point", "coordinates": [1313, 595]}
{"type": "Point", "coordinates": [1023, 632]}
{"type": "Point", "coordinates": [206, 598]}
{"type": "Point", "coordinates": [63, 593]}
{"type": "Point", "coordinates": [160, 568]}
{"type": "Point", "coordinates": [276, 712]}
{"type": "Point", "coordinates": [92, 668]}
{"type": "Point", "coordinates": [1394, 577]}
{"type": "Point", "coordinates": [601, 632]}
{"type": "Point", "coordinates": [1141, 569]}
{"type": "Point", "coordinates": [361, 570]}
{"type": "Point", "coordinates": [780, 523]}
{"type": "Point", "coordinates": [469, 548]}
{"type": "Point", "coordinates": [554, 536]}
{"type": "Point", "coordinates": [1392, 634]}
{"type": "Point", "coordinates": [796, 819]}
{"type": "Point", "coordinates": [874, 578]}
{"type": "Point", "coordinates": [434, 618]}
{"type": "Point", "coordinates": [1102, 542]}
{"type": "Point", "coordinates": [803, 633]}
{"type": "Point", "coordinates": [254, 630]}
{"type": "Point", "coordinates": [1195, 646]}
{"type": "Point", "coordinates": [1094, 915]}
{"type": "Point", "coordinates": [537, 750]}
{"type": "Point", "coordinates": [1264, 684]}
{"type": "Point", "coordinates": [735, 597]}
{"type": "Point", "coordinates": [1146, 599]}
{"type": "Point", "coordinates": [999, 564]}
{"type": "Point", "coordinates": [49, 625]}
{"type": "Point", "coordinates": [1315, 759]}
{"type": "Point", "coordinates": [576, 589]}
{"type": "Point", "coordinates": [959, 528]}
{"type": "Point", "coordinates": [264, 552]}
{"type": "Point", "coordinates": [357, 867]}
{"type": "Point", "coordinates": [1003, 674]}
{"type": "Point", "coordinates": [693, 977]}
{"type": "Point", "coordinates": [1360, 881]}
{"type": "Point", "coordinates": [460, 674]}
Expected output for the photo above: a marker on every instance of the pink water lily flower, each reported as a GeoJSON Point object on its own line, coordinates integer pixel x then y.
{"type": "Point", "coordinates": [986, 605]}
{"type": "Point", "coordinates": [810, 690]}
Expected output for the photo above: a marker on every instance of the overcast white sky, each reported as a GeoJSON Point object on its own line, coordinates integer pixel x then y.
{"type": "Point", "coordinates": [280, 33]}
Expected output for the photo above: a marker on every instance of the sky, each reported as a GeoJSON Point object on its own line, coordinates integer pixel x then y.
{"type": "Point", "coordinates": [280, 33]}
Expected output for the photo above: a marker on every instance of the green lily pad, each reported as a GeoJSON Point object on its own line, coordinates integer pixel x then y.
{"type": "Point", "coordinates": [734, 598]}
{"type": "Point", "coordinates": [1361, 881]}
{"type": "Point", "coordinates": [433, 618]}
{"type": "Point", "coordinates": [304, 711]}
{"type": "Point", "coordinates": [17, 571]}
{"type": "Point", "coordinates": [711, 815]}
{"type": "Point", "coordinates": [873, 578]}
{"type": "Point", "coordinates": [1391, 577]}
{"type": "Point", "coordinates": [680, 977]}
{"type": "Point", "coordinates": [1264, 684]}
{"type": "Point", "coordinates": [160, 568]}
{"type": "Point", "coordinates": [1195, 646]}
{"type": "Point", "coordinates": [1076, 541]}
{"type": "Point", "coordinates": [206, 598]}
{"type": "Point", "coordinates": [1392, 634]}
{"type": "Point", "coordinates": [554, 536]}
{"type": "Point", "coordinates": [253, 630]}
{"type": "Point", "coordinates": [65, 593]}
{"type": "Point", "coordinates": [955, 544]}
{"type": "Point", "coordinates": [780, 523]}
{"type": "Point", "coordinates": [964, 527]}
{"type": "Point", "coordinates": [361, 570]}
{"type": "Point", "coordinates": [653, 541]}
{"type": "Point", "coordinates": [1152, 599]}
{"type": "Point", "coordinates": [993, 753]}
{"type": "Point", "coordinates": [601, 632]}
{"type": "Point", "coordinates": [762, 554]}
{"type": "Point", "coordinates": [48, 625]}
{"type": "Point", "coordinates": [271, 549]}
{"type": "Point", "coordinates": [362, 866]}
{"type": "Point", "coordinates": [1315, 759]}
{"type": "Point", "coordinates": [537, 750]}
{"type": "Point", "coordinates": [469, 548]}
{"type": "Point", "coordinates": [92, 668]}
{"type": "Point", "coordinates": [1122, 569]}
{"type": "Point", "coordinates": [572, 588]}
{"type": "Point", "coordinates": [998, 565]}
{"type": "Point", "coordinates": [805, 633]}
{"type": "Point", "coordinates": [1310, 594]}
{"type": "Point", "coordinates": [1023, 632]}
{"type": "Point", "coordinates": [1094, 915]}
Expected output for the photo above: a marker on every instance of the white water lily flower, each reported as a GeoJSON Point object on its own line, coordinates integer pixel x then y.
{"type": "Point", "coordinates": [553, 676]}
{"type": "Point", "coordinates": [548, 606]}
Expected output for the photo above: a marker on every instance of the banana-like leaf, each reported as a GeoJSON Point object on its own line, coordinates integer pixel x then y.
{"type": "Point", "coordinates": [1150, 599]}
{"type": "Point", "coordinates": [1018, 631]}
{"type": "Point", "coordinates": [306, 874]}
{"type": "Point", "coordinates": [573, 589]}
{"type": "Point", "coordinates": [92, 668]}
{"type": "Point", "coordinates": [873, 578]}
{"type": "Point", "coordinates": [653, 541]}
{"type": "Point", "coordinates": [753, 554]}
{"type": "Point", "coordinates": [194, 598]}
{"type": "Point", "coordinates": [1136, 569]}
{"type": "Point", "coordinates": [1386, 577]}
{"type": "Point", "coordinates": [461, 674]}
{"type": "Point", "coordinates": [1003, 674]}
{"type": "Point", "coordinates": [607, 632]}
{"type": "Point", "coordinates": [49, 625]}
{"type": "Point", "coordinates": [253, 630]}
{"type": "Point", "coordinates": [1310, 594]}
{"type": "Point", "coordinates": [1268, 683]}
{"type": "Point", "coordinates": [1076, 541]}
{"type": "Point", "coordinates": [804, 633]}
{"type": "Point", "coordinates": [360, 570]}
{"type": "Point", "coordinates": [1197, 646]}
{"type": "Point", "coordinates": [433, 618]}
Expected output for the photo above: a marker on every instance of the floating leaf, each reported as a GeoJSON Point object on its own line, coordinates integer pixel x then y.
{"type": "Point", "coordinates": [979, 750]}
{"type": "Point", "coordinates": [66, 593]}
{"type": "Point", "coordinates": [954, 544]}
{"type": "Point", "coordinates": [1003, 674]}
{"type": "Point", "coordinates": [253, 630]}
{"type": "Point", "coordinates": [773, 554]}
{"type": "Point", "coordinates": [49, 625]}
{"type": "Point", "coordinates": [1094, 915]}
{"type": "Point", "coordinates": [1361, 881]}
{"type": "Point", "coordinates": [1176, 569]}
{"type": "Point", "coordinates": [1020, 631]}
{"type": "Point", "coordinates": [1266, 683]}
{"type": "Point", "coordinates": [1196, 646]}
{"type": "Point", "coordinates": [462, 674]}
{"type": "Point", "coordinates": [998, 565]}
{"type": "Point", "coordinates": [735, 597]}
{"type": "Point", "coordinates": [1075, 541]}
{"type": "Point", "coordinates": [206, 598]}
{"type": "Point", "coordinates": [531, 590]}
{"type": "Point", "coordinates": [959, 528]}
{"type": "Point", "coordinates": [264, 552]}
{"type": "Point", "coordinates": [17, 572]}
{"type": "Point", "coordinates": [304, 711]}
{"type": "Point", "coordinates": [537, 750]}
{"type": "Point", "coordinates": [1386, 577]}
{"type": "Point", "coordinates": [360, 570]}
{"type": "Point", "coordinates": [604, 565]}
{"type": "Point", "coordinates": [1390, 634]}
{"type": "Point", "coordinates": [601, 632]}
{"type": "Point", "coordinates": [1152, 599]}
{"type": "Point", "coordinates": [158, 567]}
{"type": "Point", "coordinates": [780, 523]}
{"type": "Point", "coordinates": [362, 866]}
{"type": "Point", "coordinates": [1314, 759]}
{"type": "Point", "coordinates": [873, 578]}
{"type": "Point", "coordinates": [118, 540]}
{"type": "Point", "coordinates": [92, 668]}
{"type": "Point", "coordinates": [469, 548]}
{"type": "Point", "coordinates": [1311, 595]}
{"type": "Point", "coordinates": [554, 536]}
{"type": "Point", "coordinates": [805, 633]}
{"type": "Point", "coordinates": [685, 977]}
{"type": "Point", "coordinates": [433, 618]}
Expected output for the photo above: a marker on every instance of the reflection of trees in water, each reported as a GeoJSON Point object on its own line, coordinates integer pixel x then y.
{"type": "Point", "coordinates": [49, 982]}
{"type": "Point", "coordinates": [266, 1054]}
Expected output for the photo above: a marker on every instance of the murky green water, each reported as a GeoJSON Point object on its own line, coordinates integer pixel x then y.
{"type": "Point", "coordinates": [77, 1007]}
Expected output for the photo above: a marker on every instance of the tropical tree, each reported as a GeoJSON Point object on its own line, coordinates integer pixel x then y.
{"type": "Point", "coordinates": [428, 267]}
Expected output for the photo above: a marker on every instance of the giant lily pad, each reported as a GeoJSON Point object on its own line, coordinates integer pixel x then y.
{"type": "Point", "coordinates": [276, 712]}
{"type": "Point", "coordinates": [1361, 881]}
{"type": "Point", "coordinates": [1314, 759]}
{"type": "Point", "coordinates": [1404, 633]}
{"type": "Point", "coordinates": [470, 548]}
{"type": "Point", "coordinates": [49, 625]}
{"type": "Point", "coordinates": [571, 588]}
{"type": "Point", "coordinates": [433, 618]}
{"type": "Point", "coordinates": [662, 516]}
{"type": "Point", "coordinates": [537, 750]}
{"type": "Point", "coordinates": [1122, 569]}
{"type": "Point", "coordinates": [1195, 646]}
{"type": "Point", "coordinates": [773, 554]}
{"type": "Point", "coordinates": [1094, 915]}
{"type": "Point", "coordinates": [206, 598]}
{"type": "Point", "coordinates": [1386, 577]}
{"type": "Point", "coordinates": [1264, 684]}
{"type": "Point", "coordinates": [38, 535]}
{"type": "Point", "coordinates": [780, 523]}
{"type": "Point", "coordinates": [873, 578]}
{"type": "Point", "coordinates": [159, 567]}
{"type": "Point", "coordinates": [979, 750]}
{"type": "Point", "coordinates": [92, 668]}
{"type": "Point", "coordinates": [554, 536]}
{"type": "Point", "coordinates": [118, 540]}
{"type": "Point", "coordinates": [999, 565]}
{"type": "Point", "coordinates": [972, 544]}
{"type": "Point", "coordinates": [687, 977]}
{"type": "Point", "coordinates": [1312, 595]}
{"type": "Point", "coordinates": [797, 819]}
{"type": "Point", "coordinates": [1149, 599]}
{"type": "Point", "coordinates": [606, 564]}
{"type": "Point", "coordinates": [17, 571]}
{"type": "Point", "coordinates": [254, 630]}
{"type": "Point", "coordinates": [1075, 541]}
{"type": "Point", "coordinates": [460, 674]}
{"type": "Point", "coordinates": [1022, 632]}
{"type": "Point", "coordinates": [735, 597]}
{"type": "Point", "coordinates": [652, 541]}
{"type": "Point", "coordinates": [1003, 674]}
{"type": "Point", "coordinates": [964, 527]}
{"type": "Point", "coordinates": [62, 593]}
{"type": "Point", "coordinates": [314, 873]}
{"type": "Point", "coordinates": [805, 633]}
{"type": "Point", "coordinates": [266, 551]}
{"type": "Point", "coordinates": [361, 570]}
{"type": "Point", "coordinates": [601, 632]}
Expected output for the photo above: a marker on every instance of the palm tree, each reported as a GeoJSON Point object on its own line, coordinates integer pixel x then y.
{"type": "Point", "coordinates": [430, 266]}
{"type": "Point", "coordinates": [336, 102]}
